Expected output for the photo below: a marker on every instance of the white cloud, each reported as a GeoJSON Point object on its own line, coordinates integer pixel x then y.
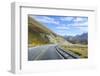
{"type": "Point", "coordinates": [78, 24]}
{"type": "Point", "coordinates": [61, 32]}
{"type": "Point", "coordinates": [62, 28]}
{"type": "Point", "coordinates": [76, 21]}
{"type": "Point", "coordinates": [66, 18]}
{"type": "Point", "coordinates": [83, 29]}
{"type": "Point", "coordinates": [47, 20]}
{"type": "Point", "coordinates": [80, 20]}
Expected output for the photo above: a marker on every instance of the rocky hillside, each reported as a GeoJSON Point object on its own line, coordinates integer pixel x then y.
{"type": "Point", "coordinates": [39, 34]}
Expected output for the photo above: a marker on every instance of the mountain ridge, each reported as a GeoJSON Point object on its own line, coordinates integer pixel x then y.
{"type": "Point", "coordinates": [82, 38]}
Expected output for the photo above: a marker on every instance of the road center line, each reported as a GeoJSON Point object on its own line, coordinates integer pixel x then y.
{"type": "Point", "coordinates": [41, 54]}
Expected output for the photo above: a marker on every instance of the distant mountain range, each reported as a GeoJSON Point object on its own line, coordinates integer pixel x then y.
{"type": "Point", "coordinates": [82, 39]}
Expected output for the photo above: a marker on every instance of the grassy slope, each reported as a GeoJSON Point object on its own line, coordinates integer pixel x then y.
{"type": "Point", "coordinates": [81, 50]}
{"type": "Point", "coordinates": [38, 34]}
{"type": "Point", "coordinates": [38, 27]}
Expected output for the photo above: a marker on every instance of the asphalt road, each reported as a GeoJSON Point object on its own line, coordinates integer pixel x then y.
{"type": "Point", "coordinates": [46, 52]}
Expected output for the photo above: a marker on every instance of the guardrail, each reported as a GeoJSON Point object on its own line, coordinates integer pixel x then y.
{"type": "Point", "coordinates": [67, 55]}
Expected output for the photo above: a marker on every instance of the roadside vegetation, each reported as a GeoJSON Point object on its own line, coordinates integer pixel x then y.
{"type": "Point", "coordinates": [78, 49]}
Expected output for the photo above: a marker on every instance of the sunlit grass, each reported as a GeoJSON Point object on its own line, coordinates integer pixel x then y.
{"type": "Point", "coordinates": [81, 50]}
{"type": "Point", "coordinates": [35, 39]}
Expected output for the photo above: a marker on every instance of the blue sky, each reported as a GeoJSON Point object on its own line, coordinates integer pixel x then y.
{"type": "Point", "coordinates": [64, 25]}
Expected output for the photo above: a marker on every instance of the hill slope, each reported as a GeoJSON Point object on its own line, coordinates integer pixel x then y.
{"type": "Point", "coordinates": [39, 34]}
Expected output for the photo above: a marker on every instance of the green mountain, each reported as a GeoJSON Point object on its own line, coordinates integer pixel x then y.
{"type": "Point", "coordinates": [41, 35]}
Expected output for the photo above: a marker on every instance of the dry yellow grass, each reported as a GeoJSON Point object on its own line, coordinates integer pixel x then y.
{"type": "Point", "coordinates": [81, 50]}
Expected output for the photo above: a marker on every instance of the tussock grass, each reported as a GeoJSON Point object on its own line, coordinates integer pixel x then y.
{"type": "Point", "coordinates": [81, 50]}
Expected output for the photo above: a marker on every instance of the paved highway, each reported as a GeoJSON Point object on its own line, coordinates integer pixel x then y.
{"type": "Point", "coordinates": [46, 52]}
